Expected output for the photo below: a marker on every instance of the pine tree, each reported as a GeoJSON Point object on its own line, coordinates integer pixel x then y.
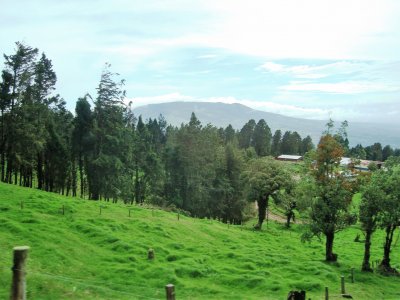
{"type": "Point", "coordinates": [104, 166]}
{"type": "Point", "coordinates": [5, 102]}
{"type": "Point", "coordinates": [262, 138]}
{"type": "Point", "coordinates": [306, 145]}
{"type": "Point", "coordinates": [276, 143]}
{"type": "Point", "coordinates": [246, 134]}
{"type": "Point", "coordinates": [82, 138]}
{"type": "Point", "coordinates": [21, 66]}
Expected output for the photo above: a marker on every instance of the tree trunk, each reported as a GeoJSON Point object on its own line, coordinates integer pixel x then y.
{"type": "Point", "coordinates": [262, 204]}
{"type": "Point", "coordinates": [385, 264]}
{"type": "Point", "coordinates": [31, 179]}
{"type": "Point", "coordinates": [367, 254]}
{"type": "Point", "coordinates": [40, 171]}
{"type": "Point", "coordinates": [51, 184]}
{"type": "Point", "coordinates": [3, 165]}
{"type": "Point", "coordinates": [137, 183]}
{"type": "Point", "coordinates": [21, 174]}
{"type": "Point", "coordinates": [81, 174]}
{"type": "Point", "coordinates": [329, 255]}
{"type": "Point", "coordinates": [73, 177]}
{"type": "Point", "coordinates": [3, 146]}
{"type": "Point", "coordinates": [9, 169]}
{"type": "Point", "coordinates": [289, 216]}
{"type": "Point", "coordinates": [95, 195]}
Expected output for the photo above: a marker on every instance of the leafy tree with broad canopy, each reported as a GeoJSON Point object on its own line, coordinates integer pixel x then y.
{"type": "Point", "coordinates": [390, 211]}
{"type": "Point", "coordinates": [264, 178]}
{"type": "Point", "coordinates": [333, 194]}
{"type": "Point", "coordinates": [370, 212]}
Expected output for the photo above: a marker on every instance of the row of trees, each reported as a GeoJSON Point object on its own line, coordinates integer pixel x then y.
{"type": "Point", "coordinates": [374, 152]}
{"type": "Point", "coordinates": [258, 135]}
{"type": "Point", "coordinates": [34, 122]}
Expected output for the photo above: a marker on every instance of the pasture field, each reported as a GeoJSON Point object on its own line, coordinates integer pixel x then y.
{"type": "Point", "coordinates": [87, 255]}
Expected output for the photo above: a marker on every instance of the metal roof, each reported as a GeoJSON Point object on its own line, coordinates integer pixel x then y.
{"type": "Point", "coordinates": [286, 156]}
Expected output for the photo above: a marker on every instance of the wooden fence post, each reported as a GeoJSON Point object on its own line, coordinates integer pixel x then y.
{"type": "Point", "coordinates": [326, 293]}
{"type": "Point", "coordinates": [342, 284]}
{"type": "Point", "coordinates": [178, 216]}
{"type": "Point", "coordinates": [352, 275]}
{"type": "Point", "coordinates": [63, 210]}
{"type": "Point", "coordinates": [150, 254]}
{"type": "Point", "coordinates": [170, 291]}
{"type": "Point", "coordinates": [129, 212]}
{"type": "Point", "coordinates": [22, 204]}
{"type": "Point", "coordinates": [18, 287]}
{"type": "Point", "coordinates": [100, 209]}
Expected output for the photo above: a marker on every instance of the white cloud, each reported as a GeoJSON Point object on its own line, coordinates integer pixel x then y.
{"type": "Point", "coordinates": [343, 29]}
{"type": "Point", "coordinates": [315, 71]}
{"type": "Point", "coordinates": [270, 66]}
{"type": "Point", "coordinates": [346, 87]}
{"type": "Point", "coordinates": [205, 56]}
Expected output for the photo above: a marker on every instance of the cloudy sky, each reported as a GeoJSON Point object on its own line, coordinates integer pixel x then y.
{"type": "Point", "coordinates": [303, 58]}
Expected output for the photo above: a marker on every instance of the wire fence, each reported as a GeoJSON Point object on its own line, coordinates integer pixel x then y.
{"type": "Point", "coordinates": [113, 288]}
{"type": "Point", "coordinates": [106, 286]}
{"type": "Point", "coordinates": [105, 210]}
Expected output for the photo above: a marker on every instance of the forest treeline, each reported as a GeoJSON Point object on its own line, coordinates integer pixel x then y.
{"type": "Point", "coordinates": [104, 152]}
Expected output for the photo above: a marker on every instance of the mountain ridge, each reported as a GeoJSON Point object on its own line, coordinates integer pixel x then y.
{"type": "Point", "coordinates": [222, 114]}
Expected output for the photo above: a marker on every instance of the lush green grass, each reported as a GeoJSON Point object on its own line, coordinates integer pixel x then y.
{"type": "Point", "coordinates": [84, 255]}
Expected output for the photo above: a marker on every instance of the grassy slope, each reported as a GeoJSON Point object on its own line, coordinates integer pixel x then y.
{"type": "Point", "coordinates": [83, 255]}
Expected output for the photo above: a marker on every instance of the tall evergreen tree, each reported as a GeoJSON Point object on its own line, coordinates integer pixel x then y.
{"type": "Point", "coordinates": [286, 144]}
{"type": "Point", "coordinates": [5, 102]}
{"type": "Point", "coordinates": [44, 84]}
{"type": "Point", "coordinates": [21, 66]}
{"type": "Point", "coordinates": [276, 143]}
{"type": "Point", "coordinates": [358, 152]}
{"type": "Point", "coordinates": [296, 143]}
{"type": "Point", "coordinates": [262, 138]}
{"type": "Point", "coordinates": [387, 151]}
{"type": "Point", "coordinates": [306, 145]}
{"type": "Point", "coordinates": [246, 134]}
{"type": "Point", "coordinates": [105, 164]}
{"type": "Point", "coordinates": [376, 152]}
{"type": "Point", "coordinates": [229, 134]}
{"type": "Point", "coordinates": [82, 138]}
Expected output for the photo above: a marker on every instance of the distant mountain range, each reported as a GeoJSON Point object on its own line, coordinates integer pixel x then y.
{"type": "Point", "coordinates": [221, 115]}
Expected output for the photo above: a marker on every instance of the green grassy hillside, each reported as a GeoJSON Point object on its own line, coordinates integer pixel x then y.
{"type": "Point", "coordinates": [85, 255]}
